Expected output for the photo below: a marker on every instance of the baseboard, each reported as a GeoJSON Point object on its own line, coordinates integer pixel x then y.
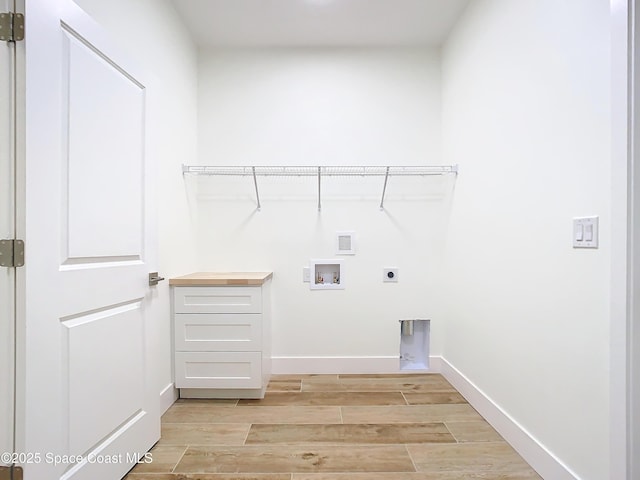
{"type": "Point", "coordinates": [537, 455]}
{"type": "Point", "coordinates": [331, 365]}
{"type": "Point", "coordinates": [168, 396]}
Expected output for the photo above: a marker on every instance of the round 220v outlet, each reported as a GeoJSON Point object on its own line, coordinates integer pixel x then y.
{"type": "Point", "coordinates": [390, 275]}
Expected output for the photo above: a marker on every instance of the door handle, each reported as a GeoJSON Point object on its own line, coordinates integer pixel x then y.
{"type": "Point", "coordinates": [154, 278]}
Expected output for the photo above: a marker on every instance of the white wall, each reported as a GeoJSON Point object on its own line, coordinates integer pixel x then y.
{"type": "Point", "coordinates": [526, 102]}
{"type": "Point", "coordinates": [326, 107]}
{"type": "Point", "coordinates": [319, 106]}
{"type": "Point", "coordinates": [164, 48]}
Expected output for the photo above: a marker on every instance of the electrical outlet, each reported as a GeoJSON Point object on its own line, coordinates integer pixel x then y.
{"type": "Point", "coordinates": [306, 276]}
{"type": "Point", "coordinates": [390, 275]}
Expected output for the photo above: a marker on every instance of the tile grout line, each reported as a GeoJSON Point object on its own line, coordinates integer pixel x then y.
{"type": "Point", "coordinates": [180, 459]}
{"type": "Point", "coordinates": [244, 442]}
{"type": "Point", "coordinates": [406, 447]}
{"type": "Point", "coordinates": [450, 432]}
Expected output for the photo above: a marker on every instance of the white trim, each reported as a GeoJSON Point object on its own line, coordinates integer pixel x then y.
{"type": "Point", "coordinates": [633, 260]}
{"type": "Point", "coordinates": [621, 293]}
{"type": "Point", "coordinates": [168, 397]}
{"type": "Point", "coordinates": [330, 365]}
{"type": "Point", "coordinates": [8, 186]}
{"type": "Point", "coordinates": [21, 279]}
{"type": "Point", "coordinates": [535, 453]}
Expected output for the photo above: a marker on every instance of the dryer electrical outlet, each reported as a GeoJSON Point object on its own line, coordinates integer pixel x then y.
{"type": "Point", "coordinates": [390, 275]}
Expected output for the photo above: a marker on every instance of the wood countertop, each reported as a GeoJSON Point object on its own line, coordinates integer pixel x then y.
{"type": "Point", "coordinates": [221, 278]}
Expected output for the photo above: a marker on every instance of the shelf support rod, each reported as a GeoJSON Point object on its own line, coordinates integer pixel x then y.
{"type": "Point", "coordinates": [255, 184]}
{"type": "Point", "coordinates": [384, 188]}
{"type": "Point", "coordinates": [319, 202]}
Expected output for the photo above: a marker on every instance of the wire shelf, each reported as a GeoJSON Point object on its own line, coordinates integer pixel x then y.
{"type": "Point", "coordinates": [319, 172]}
{"type": "Point", "coordinates": [325, 171]}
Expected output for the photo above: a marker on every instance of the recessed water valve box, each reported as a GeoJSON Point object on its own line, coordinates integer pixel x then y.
{"type": "Point", "coordinates": [326, 274]}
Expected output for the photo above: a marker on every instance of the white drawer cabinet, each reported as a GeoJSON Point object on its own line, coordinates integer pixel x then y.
{"type": "Point", "coordinates": [218, 332]}
{"type": "Point", "coordinates": [220, 370]}
{"type": "Point", "coordinates": [222, 299]}
{"type": "Point", "coordinates": [222, 340]}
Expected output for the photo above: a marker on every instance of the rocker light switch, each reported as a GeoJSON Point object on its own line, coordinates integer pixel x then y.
{"type": "Point", "coordinates": [588, 233]}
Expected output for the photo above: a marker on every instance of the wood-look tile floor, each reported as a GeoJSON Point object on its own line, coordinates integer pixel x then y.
{"type": "Point", "coordinates": [334, 427]}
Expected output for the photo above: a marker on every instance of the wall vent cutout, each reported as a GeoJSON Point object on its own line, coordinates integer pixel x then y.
{"type": "Point", "coordinates": [414, 344]}
{"type": "Point", "coordinates": [345, 243]}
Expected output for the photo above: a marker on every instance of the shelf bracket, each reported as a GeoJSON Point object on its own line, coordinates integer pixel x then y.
{"type": "Point", "coordinates": [384, 188]}
{"type": "Point", "coordinates": [319, 176]}
{"type": "Point", "coordinates": [255, 184]}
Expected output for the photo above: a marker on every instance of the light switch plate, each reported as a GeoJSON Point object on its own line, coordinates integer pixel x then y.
{"type": "Point", "coordinates": [585, 232]}
{"type": "Point", "coordinates": [306, 276]}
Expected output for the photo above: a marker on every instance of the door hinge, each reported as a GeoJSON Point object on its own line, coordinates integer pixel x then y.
{"type": "Point", "coordinates": [11, 253]}
{"type": "Point", "coordinates": [11, 27]}
{"type": "Point", "coordinates": [11, 473]}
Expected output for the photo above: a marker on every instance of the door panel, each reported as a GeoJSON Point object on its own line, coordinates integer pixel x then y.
{"type": "Point", "coordinates": [104, 157]}
{"type": "Point", "coordinates": [91, 365]}
{"type": "Point", "coordinates": [88, 357]}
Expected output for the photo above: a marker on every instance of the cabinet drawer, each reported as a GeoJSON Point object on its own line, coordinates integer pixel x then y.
{"type": "Point", "coordinates": [217, 299]}
{"type": "Point", "coordinates": [221, 332]}
{"type": "Point", "coordinates": [218, 369]}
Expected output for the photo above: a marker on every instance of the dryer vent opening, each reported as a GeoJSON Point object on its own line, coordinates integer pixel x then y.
{"type": "Point", "coordinates": [414, 344]}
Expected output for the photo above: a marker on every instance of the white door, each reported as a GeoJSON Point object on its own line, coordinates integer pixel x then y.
{"type": "Point", "coordinates": [90, 396]}
{"type": "Point", "coordinates": [7, 231]}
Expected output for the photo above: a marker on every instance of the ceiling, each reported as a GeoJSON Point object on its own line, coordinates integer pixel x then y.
{"type": "Point", "coordinates": [308, 23]}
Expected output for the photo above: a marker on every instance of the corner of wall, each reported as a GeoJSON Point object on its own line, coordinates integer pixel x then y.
{"type": "Point", "coordinates": [534, 452]}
